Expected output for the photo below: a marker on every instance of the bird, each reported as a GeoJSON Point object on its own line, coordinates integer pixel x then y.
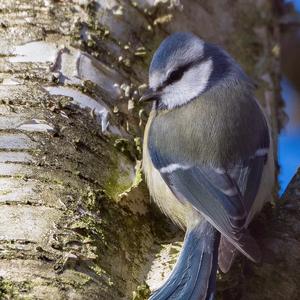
{"type": "Point", "coordinates": [207, 158]}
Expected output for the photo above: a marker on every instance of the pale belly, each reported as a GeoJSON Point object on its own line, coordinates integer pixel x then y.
{"type": "Point", "coordinates": [181, 213]}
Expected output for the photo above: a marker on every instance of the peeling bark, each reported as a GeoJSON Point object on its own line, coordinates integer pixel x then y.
{"type": "Point", "coordinates": [76, 220]}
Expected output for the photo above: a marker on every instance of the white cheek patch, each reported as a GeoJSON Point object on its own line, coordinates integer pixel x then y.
{"type": "Point", "coordinates": [193, 83]}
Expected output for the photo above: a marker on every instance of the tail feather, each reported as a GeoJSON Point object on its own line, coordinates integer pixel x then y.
{"type": "Point", "coordinates": [211, 291]}
{"type": "Point", "coordinates": [227, 253]}
{"type": "Point", "coordinates": [194, 275]}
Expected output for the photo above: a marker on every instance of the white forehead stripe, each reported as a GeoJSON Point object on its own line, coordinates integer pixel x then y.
{"type": "Point", "coordinates": [193, 82]}
{"type": "Point", "coordinates": [183, 55]}
{"type": "Point", "coordinates": [173, 167]}
{"type": "Point", "coordinates": [261, 151]}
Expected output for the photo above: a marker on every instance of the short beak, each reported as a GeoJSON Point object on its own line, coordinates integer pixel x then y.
{"type": "Point", "coordinates": [149, 95]}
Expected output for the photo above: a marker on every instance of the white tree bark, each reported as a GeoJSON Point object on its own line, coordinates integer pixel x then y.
{"type": "Point", "coordinates": [75, 216]}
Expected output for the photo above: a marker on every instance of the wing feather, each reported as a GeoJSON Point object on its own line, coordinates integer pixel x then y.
{"type": "Point", "coordinates": [224, 196]}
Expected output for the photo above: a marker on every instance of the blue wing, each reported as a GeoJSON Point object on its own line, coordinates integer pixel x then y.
{"type": "Point", "coordinates": [224, 197]}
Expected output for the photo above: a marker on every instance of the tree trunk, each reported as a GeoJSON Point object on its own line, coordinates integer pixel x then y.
{"type": "Point", "coordinates": [76, 221]}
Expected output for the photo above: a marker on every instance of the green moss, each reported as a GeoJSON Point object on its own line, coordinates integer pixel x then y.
{"type": "Point", "coordinates": [142, 292]}
{"type": "Point", "coordinates": [90, 197]}
{"type": "Point", "coordinates": [10, 289]}
{"type": "Point", "coordinates": [138, 174]}
{"type": "Point", "coordinates": [47, 178]}
{"type": "Point", "coordinates": [124, 146]}
{"type": "Point", "coordinates": [88, 225]}
{"type": "Point", "coordinates": [77, 280]}
{"type": "Point", "coordinates": [7, 290]}
{"type": "Point", "coordinates": [98, 270]}
{"type": "Point", "coordinates": [102, 273]}
{"type": "Point", "coordinates": [5, 192]}
{"type": "Point", "coordinates": [119, 177]}
{"type": "Point", "coordinates": [117, 184]}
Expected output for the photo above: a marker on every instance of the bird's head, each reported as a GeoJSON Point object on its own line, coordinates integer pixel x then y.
{"type": "Point", "coordinates": [184, 67]}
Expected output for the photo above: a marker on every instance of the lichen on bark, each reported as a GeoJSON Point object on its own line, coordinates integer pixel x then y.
{"type": "Point", "coordinates": [90, 231]}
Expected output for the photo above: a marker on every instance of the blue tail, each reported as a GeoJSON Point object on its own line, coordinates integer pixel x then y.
{"type": "Point", "coordinates": [194, 275]}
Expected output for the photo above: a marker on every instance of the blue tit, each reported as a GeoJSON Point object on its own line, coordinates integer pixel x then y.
{"type": "Point", "coordinates": [207, 159]}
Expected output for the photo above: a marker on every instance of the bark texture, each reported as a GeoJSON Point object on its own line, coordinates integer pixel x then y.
{"type": "Point", "coordinates": [278, 230]}
{"type": "Point", "coordinates": [76, 222]}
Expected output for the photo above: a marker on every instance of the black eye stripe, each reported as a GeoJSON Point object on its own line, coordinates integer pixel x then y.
{"type": "Point", "coordinates": [178, 73]}
{"type": "Point", "coordinates": [175, 75]}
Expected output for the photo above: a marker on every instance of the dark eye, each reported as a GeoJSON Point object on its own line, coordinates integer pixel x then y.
{"type": "Point", "coordinates": [178, 73]}
{"type": "Point", "coordinates": [175, 75]}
